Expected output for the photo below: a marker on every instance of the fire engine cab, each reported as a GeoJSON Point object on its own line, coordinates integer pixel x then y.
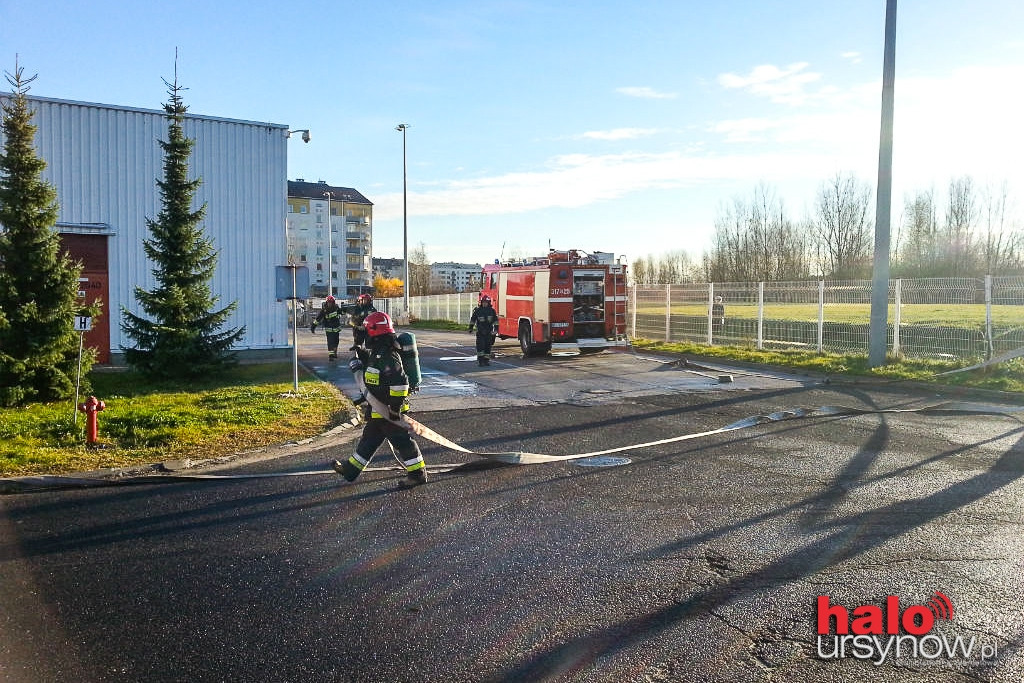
{"type": "Point", "coordinates": [570, 300]}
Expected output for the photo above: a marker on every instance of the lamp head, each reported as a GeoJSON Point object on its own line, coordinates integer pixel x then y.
{"type": "Point", "coordinates": [305, 134]}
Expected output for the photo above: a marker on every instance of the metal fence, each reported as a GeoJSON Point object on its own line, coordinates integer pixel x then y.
{"type": "Point", "coordinates": [952, 318]}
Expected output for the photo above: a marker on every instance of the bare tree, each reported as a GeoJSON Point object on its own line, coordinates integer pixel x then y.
{"type": "Point", "coordinates": [919, 254]}
{"type": "Point", "coordinates": [639, 271]}
{"type": "Point", "coordinates": [1001, 247]}
{"type": "Point", "coordinates": [842, 228]}
{"type": "Point", "coordinates": [756, 242]}
{"type": "Point", "coordinates": [958, 237]}
{"type": "Point", "coordinates": [419, 271]}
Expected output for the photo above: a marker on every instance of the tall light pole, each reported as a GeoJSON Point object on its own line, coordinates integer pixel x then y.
{"type": "Point", "coordinates": [291, 263]}
{"type": "Point", "coordinates": [330, 239]}
{"type": "Point", "coordinates": [405, 224]}
{"type": "Point", "coordinates": [878, 332]}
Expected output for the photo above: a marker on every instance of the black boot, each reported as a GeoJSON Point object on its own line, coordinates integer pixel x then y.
{"type": "Point", "coordinates": [414, 478]}
{"type": "Point", "coordinates": [346, 469]}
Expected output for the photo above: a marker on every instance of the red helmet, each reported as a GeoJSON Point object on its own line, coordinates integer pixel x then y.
{"type": "Point", "coordinates": [485, 299]}
{"type": "Point", "coordinates": [329, 298]}
{"type": "Point", "coordinates": [364, 299]}
{"type": "Point", "coordinates": [378, 323]}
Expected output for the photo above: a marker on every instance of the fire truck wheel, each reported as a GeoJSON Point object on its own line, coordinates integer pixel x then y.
{"type": "Point", "coordinates": [525, 339]}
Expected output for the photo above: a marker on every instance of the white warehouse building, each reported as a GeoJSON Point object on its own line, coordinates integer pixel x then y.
{"type": "Point", "coordinates": [104, 162]}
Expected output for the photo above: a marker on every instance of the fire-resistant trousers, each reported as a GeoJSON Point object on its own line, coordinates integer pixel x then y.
{"type": "Point", "coordinates": [377, 430]}
{"type": "Point", "coordinates": [483, 344]}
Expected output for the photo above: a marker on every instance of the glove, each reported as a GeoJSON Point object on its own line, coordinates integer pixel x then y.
{"type": "Point", "coordinates": [312, 329]}
{"type": "Point", "coordinates": [355, 365]}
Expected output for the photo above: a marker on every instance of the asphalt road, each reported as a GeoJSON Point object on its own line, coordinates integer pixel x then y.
{"type": "Point", "coordinates": [696, 560]}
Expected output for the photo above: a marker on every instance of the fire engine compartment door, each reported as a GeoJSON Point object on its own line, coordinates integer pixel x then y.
{"type": "Point", "coordinates": [502, 294]}
{"type": "Point", "coordinates": [541, 293]}
{"type": "Point", "coordinates": [588, 295]}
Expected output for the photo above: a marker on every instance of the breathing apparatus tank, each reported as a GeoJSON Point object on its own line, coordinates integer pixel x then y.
{"type": "Point", "coordinates": [410, 358]}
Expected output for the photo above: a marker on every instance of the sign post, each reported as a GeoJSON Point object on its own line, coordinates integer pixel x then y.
{"type": "Point", "coordinates": [298, 279]}
{"type": "Point", "coordinates": [83, 324]}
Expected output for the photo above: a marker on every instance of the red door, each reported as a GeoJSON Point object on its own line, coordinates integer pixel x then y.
{"type": "Point", "coordinates": [93, 285]}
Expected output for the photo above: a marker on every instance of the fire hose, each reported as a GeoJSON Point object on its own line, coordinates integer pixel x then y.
{"type": "Point", "coordinates": [37, 483]}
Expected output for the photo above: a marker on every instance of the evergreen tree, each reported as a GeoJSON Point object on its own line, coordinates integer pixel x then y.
{"type": "Point", "coordinates": [181, 337]}
{"type": "Point", "coordinates": [38, 282]}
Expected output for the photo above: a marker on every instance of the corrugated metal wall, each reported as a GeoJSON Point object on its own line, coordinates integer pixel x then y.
{"type": "Point", "coordinates": [104, 162]}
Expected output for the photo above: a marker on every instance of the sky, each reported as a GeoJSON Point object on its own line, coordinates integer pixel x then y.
{"type": "Point", "coordinates": [595, 125]}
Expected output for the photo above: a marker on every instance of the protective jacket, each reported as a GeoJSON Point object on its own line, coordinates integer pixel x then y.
{"type": "Point", "coordinates": [485, 318]}
{"type": "Point", "coordinates": [329, 317]}
{"type": "Point", "coordinates": [355, 321]}
{"type": "Point", "coordinates": [385, 376]}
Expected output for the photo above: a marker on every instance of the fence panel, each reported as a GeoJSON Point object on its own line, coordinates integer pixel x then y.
{"type": "Point", "coordinates": [938, 317]}
{"type": "Point", "coordinates": [1007, 314]}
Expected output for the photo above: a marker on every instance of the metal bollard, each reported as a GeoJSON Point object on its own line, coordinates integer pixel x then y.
{"type": "Point", "coordinates": [90, 408]}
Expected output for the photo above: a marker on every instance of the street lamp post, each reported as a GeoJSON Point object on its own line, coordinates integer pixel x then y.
{"type": "Point", "coordinates": [294, 299]}
{"type": "Point", "coordinates": [330, 240]}
{"type": "Point", "coordinates": [405, 224]}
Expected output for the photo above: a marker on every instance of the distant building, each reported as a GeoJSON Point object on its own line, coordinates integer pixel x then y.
{"type": "Point", "coordinates": [389, 268]}
{"type": "Point", "coordinates": [455, 277]}
{"type": "Point", "coordinates": [330, 231]}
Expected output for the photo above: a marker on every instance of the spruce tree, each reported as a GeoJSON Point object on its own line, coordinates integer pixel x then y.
{"type": "Point", "coordinates": [38, 282]}
{"type": "Point", "coordinates": [181, 338]}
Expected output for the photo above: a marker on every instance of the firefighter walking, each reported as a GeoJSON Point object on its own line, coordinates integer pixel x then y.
{"type": "Point", "coordinates": [485, 319]}
{"type": "Point", "coordinates": [364, 307]}
{"type": "Point", "coordinates": [386, 391]}
{"type": "Point", "coordinates": [329, 318]}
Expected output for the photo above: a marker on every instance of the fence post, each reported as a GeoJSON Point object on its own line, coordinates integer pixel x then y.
{"type": "Point", "coordinates": [760, 316]}
{"type": "Point", "coordinates": [988, 316]}
{"type": "Point", "coordinates": [635, 302]}
{"type": "Point", "coordinates": [896, 318]}
{"type": "Point", "coordinates": [821, 315]}
{"type": "Point", "coordinates": [448, 306]}
{"type": "Point", "coordinates": [668, 312]}
{"type": "Point", "coordinates": [711, 302]}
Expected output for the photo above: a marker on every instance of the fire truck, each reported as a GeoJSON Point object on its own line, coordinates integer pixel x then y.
{"type": "Point", "coordinates": [570, 300]}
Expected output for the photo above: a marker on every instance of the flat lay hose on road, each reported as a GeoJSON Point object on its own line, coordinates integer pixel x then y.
{"type": "Point", "coordinates": [38, 483]}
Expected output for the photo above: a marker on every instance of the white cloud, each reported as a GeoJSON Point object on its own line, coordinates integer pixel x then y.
{"type": "Point", "coordinates": [619, 133]}
{"type": "Point", "coordinates": [964, 123]}
{"type": "Point", "coordinates": [576, 180]}
{"type": "Point", "coordinates": [852, 57]}
{"type": "Point", "coordinates": [645, 92]}
{"type": "Point", "coordinates": [784, 86]}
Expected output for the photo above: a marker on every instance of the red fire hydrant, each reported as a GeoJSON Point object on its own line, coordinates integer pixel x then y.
{"type": "Point", "coordinates": [90, 408]}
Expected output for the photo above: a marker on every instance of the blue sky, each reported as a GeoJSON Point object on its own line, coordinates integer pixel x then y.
{"type": "Point", "coordinates": [603, 126]}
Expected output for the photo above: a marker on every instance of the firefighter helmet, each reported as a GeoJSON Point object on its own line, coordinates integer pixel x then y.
{"type": "Point", "coordinates": [485, 299]}
{"type": "Point", "coordinates": [364, 299]}
{"type": "Point", "coordinates": [329, 298]}
{"type": "Point", "coordinates": [378, 323]}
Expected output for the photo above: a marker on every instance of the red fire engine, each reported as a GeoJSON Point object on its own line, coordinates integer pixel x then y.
{"type": "Point", "coordinates": [570, 300]}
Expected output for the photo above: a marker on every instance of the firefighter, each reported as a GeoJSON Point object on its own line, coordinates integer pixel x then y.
{"type": "Point", "coordinates": [486, 320]}
{"type": "Point", "coordinates": [717, 315]}
{"type": "Point", "coordinates": [329, 318]}
{"type": "Point", "coordinates": [387, 392]}
{"type": "Point", "coordinates": [364, 307]}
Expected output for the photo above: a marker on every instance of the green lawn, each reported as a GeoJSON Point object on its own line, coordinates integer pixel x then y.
{"type": "Point", "coordinates": [958, 315]}
{"type": "Point", "coordinates": [248, 407]}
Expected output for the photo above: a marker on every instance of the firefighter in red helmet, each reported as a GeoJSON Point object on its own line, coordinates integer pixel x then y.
{"type": "Point", "coordinates": [387, 392]}
{"type": "Point", "coordinates": [330, 318]}
{"type": "Point", "coordinates": [364, 307]}
{"type": "Point", "coordinates": [485, 319]}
